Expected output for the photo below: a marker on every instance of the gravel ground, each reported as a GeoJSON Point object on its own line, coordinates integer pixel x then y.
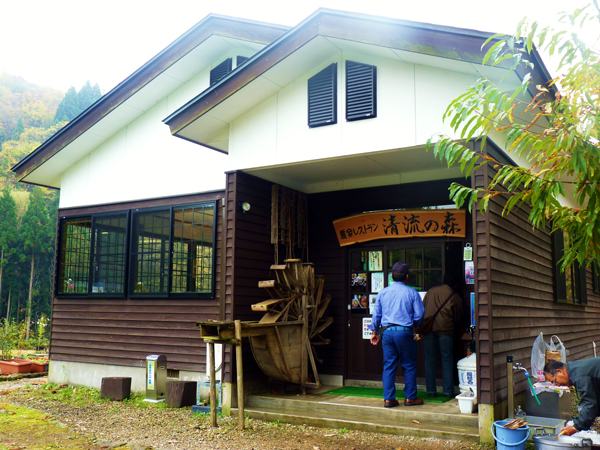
{"type": "Point", "coordinates": [115, 424]}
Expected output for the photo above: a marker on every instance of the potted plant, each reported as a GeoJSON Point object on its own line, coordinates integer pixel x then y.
{"type": "Point", "coordinates": [7, 363]}
{"type": "Point", "coordinates": [39, 365]}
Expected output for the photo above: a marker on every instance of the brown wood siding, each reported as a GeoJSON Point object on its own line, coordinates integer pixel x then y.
{"type": "Point", "coordinates": [125, 331]}
{"type": "Point", "coordinates": [250, 255]}
{"type": "Point", "coordinates": [516, 297]}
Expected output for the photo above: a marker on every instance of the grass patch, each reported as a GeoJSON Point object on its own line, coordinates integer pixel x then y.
{"type": "Point", "coordinates": [28, 428]}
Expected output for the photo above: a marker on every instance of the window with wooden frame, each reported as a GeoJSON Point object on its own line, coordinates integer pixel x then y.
{"type": "Point", "coordinates": [156, 252]}
{"type": "Point", "coordinates": [596, 278]}
{"type": "Point", "coordinates": [361, 91]}
{"type": "Point", "coordinates": [570, 284]}
{"type": "Point", "coordinates": [322, 97]}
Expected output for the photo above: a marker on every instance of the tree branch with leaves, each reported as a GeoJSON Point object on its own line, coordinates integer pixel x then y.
{"type": "Point", "coordinates": [552, 129]}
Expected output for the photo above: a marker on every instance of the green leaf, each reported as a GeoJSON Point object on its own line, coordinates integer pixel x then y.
{"type": "Point", "coordinates": [494, 49]}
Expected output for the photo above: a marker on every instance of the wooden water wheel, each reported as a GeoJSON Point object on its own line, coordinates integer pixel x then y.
{"type": "Point", "coordinates": [296, 299]}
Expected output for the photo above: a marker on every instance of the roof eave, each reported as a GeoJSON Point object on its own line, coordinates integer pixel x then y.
{"type": "Point", "coordinates": [212, 24]}
{"type": "Point", "coordinates": [436, 41]}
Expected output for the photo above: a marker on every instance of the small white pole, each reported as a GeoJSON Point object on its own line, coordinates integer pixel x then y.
{"type": "Point", "coordinates": [594, 344]}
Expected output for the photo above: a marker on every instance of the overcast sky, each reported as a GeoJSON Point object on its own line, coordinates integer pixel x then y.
{"type": "Point", "coordinates": [63, 43]}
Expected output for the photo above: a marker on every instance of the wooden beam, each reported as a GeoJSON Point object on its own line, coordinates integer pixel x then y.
{"type": "Point", "coordinates": [213, 388]}
{"type": "Point", "coordinates": [240, 374]}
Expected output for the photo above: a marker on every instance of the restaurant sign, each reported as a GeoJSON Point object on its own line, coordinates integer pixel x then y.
{"type": "Point", "coordinates": [400, 224]}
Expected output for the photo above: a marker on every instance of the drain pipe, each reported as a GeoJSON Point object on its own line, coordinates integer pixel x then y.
{"type": "Point", "coordinates": [511, 386]}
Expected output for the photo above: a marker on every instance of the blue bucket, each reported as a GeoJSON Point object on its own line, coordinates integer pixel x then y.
{"type": "Point", "coordinates": [507, 439]}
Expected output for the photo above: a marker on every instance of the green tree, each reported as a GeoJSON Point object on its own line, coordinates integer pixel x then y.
{"type": "Point", "coordinates": [555, 132]}
{"type": "Point", "coordinates": [3, 138]}
{"type": "Point", "coordinates": [18, 130]}
{"type": "Point", "coordinates": [37, 234]}
{"type": "Point", "coordinates": [88, 95]}
{"type": "Point", "coordinates": [68, 108]}
{"type": "Point", "coordinates": [75, 102]}
{"type": "Point", "coordinates": [8, 230]}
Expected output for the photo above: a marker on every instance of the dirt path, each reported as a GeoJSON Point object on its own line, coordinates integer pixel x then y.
{"type": "Point", "coordinates": [35, 415]}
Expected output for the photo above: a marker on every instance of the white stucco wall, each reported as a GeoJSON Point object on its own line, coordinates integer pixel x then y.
{"type": "Point", "coordinates": [143, 160]}
{"type": "Point", "coordinates": [411, 100]}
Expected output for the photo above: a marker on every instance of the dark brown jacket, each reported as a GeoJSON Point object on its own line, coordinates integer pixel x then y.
{"type": "Point", "coordinates": [450, 315]}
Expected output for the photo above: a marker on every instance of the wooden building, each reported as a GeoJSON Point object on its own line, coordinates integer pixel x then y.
{"type": "Point", "coordinates": [335, 111]}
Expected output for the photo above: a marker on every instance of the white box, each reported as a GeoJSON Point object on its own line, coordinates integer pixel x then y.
{"type": "Point", "coordinates": [466, 402]}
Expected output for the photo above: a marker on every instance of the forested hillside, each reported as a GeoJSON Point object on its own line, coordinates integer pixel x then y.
{"type": "Point", "coordinates": [29, 115]}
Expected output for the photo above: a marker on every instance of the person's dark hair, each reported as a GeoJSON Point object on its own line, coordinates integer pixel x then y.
{"type": "Point", "coordinates": [399, 276]}
{"type": "Point", "coordinates": [552, 366]}
{"type": "Point", "coordinates": [450, 279]}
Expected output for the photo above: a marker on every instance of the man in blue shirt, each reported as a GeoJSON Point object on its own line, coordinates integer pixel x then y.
{"type": "Point", "coordinates": [398, 308]}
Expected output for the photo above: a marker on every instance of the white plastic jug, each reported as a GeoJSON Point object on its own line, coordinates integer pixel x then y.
{"type": "Point", "coordinates": [467, 373]}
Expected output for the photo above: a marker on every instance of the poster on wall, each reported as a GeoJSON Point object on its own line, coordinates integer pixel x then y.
{"type": "Point", "coordinates": [359, 281]}
{"type": "Point", "coordinates": [360, 301]}
{"type": "Point", "coordinates": [472, 309]}
{"type": "Point", "coordinates": [375, 261]}
{"type": "Point", "coordinates": [469, 272]}
{"type": "Point", "coordinates": [372, 299]}
{"type": "Point", "coordinates": [376, 281]}
{"type": "Point", "coordinates": [366, 333]}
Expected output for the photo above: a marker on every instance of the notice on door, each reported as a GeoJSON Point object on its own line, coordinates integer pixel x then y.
{"type": "Point", "coordinates": [365, 328]}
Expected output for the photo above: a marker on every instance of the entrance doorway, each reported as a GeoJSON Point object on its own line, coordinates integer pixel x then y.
{"type": "Point", "coordinates": [369, 271]}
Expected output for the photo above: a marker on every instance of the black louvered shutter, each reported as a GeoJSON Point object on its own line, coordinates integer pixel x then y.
{"type": "Point", "coordinates": [220, 71]}
{"type": "Point", "coordinates": [240, 60]}
{"type": "Point", "coordinates": [361, 91]}
{"type": "Point", "coordinates": [322, 97]}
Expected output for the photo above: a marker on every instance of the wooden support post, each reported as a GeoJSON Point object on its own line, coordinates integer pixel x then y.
{"type": "Point", "coordinates": [213, 388]}
{"type": "Point", "coordinates": [240, 373]}
{"type": "Point", "coordinates": [304, 344]}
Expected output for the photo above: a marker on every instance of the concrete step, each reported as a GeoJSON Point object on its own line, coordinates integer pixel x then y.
{"type": "Point", "coordinates": [365, 414]}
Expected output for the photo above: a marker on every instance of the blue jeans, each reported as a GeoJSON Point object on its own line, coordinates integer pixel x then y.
{"type": "Point", "coordinates": [446, 345]}
{"type": "Point", "coordinates": [399, 347]}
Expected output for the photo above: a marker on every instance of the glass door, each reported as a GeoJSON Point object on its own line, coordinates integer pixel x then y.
{"type": "Point", "coordinates": [370, 270]}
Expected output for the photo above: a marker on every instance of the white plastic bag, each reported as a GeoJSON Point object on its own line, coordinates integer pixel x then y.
{"type": "Point", "coordinates": [538, 355]}
{"type": "Point", "coordinates": [558, 347]}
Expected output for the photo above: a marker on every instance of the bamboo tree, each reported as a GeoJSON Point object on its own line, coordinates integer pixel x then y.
{"type": "Point", "coordinates": [556, 132]}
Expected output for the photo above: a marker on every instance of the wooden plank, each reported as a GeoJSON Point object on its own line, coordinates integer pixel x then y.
{"type": "Point", "coordinates": [240, 375]}
{"type": "Point", "coordinates": [274, 215]}
{"type": "Point", "coordinates": [303, 346]}
{"type": "Point", "coordinates": [322, 326]}
{"type": "Point", "coordinates": [286, 367]}
{"type": "Point", "coordinates": [264, 306]}
{"type": "Point", "coordinates": [271, 317]}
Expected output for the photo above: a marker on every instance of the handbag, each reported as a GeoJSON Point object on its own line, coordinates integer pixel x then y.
{"type": "Point", "coordinates": [555, 351]}
{"type": "Point", "coordinates": [427, 325]}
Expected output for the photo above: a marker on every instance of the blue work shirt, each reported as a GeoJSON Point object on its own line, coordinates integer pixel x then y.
{"type": "Point", "coordinates": [397, 304]}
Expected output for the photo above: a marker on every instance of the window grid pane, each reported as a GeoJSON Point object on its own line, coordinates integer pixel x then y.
{"type": "Point", "coordinates": [150, 253]}
{"type": "Point", "coordinates": [75, 256]}
{"type": "Point", "coordinates": [192, 259]}
{"type": "Point", "coordinates": [109, 258]}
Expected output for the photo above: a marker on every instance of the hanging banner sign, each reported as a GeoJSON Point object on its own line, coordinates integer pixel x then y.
{"type": "Point", "coordinates": [400, 224]}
